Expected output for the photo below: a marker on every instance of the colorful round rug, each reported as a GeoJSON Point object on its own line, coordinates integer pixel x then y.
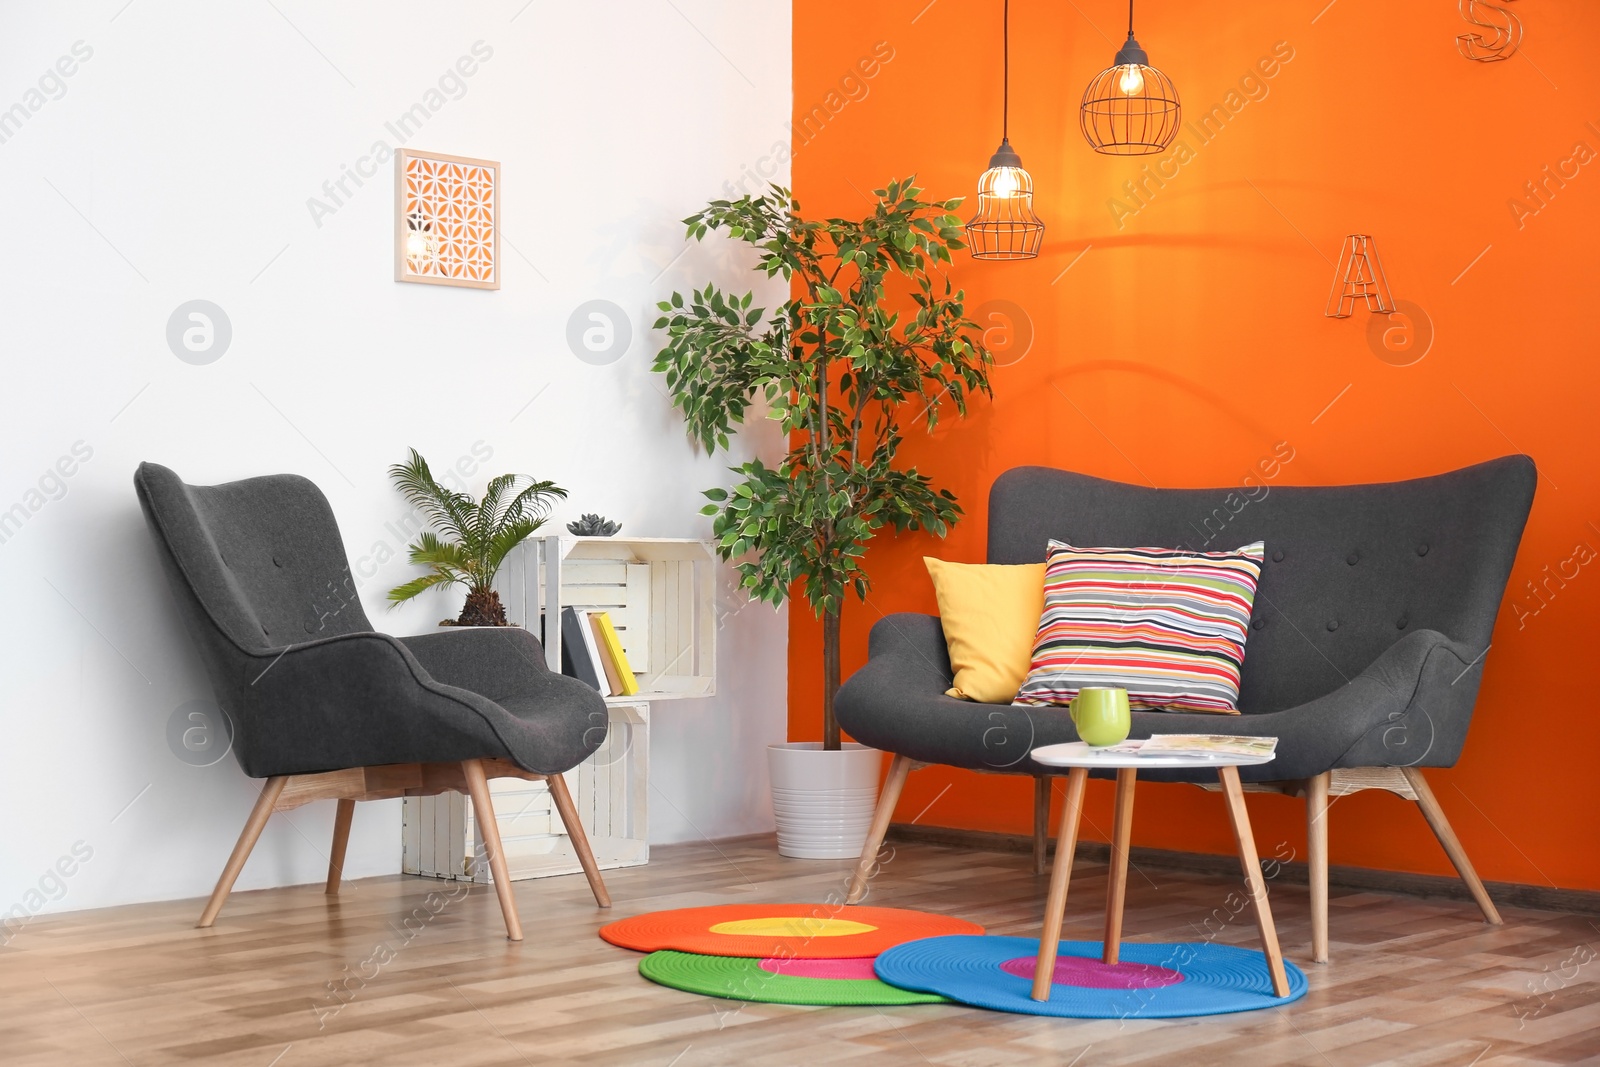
{"type": "Point", "coordinates": [1152, 981]}
{"type": "Point", "coordinates": [784, 931]}
{"type": "Point", "coordinates": [779, 981]}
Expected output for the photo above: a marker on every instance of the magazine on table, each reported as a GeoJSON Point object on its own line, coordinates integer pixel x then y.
{"type": "Point", "coordinates": [1196, 745]}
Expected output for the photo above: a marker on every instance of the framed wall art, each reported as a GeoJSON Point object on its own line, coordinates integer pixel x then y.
{"type": "Point", "coordinates": [447, 220]}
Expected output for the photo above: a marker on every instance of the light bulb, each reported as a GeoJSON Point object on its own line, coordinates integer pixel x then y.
{"type": "Point", "coordinates": [420, 244]}
{"type": "Point", "coordinates": [1132, 81]}
{"type": "Point", "coordinates": [1005, 183]}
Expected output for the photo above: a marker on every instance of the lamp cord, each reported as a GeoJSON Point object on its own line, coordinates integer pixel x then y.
{"type": "Point", "coordinates": [1005, 83]}
{"type": "Point", "coordinates": [1130, 18]}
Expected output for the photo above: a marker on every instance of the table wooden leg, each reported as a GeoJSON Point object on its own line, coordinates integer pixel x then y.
{"type": "Point", "coordinates": [1055, 908]}
{"type": "Point", "coordinates": [1116, 887]}
{"type": "Point", "coordinates": [1257, 885]}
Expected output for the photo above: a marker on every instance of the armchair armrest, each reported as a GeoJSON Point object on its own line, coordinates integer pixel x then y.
{"type": "Point", "coordinates": [492, 662]}
{"type": "Point", "coordinates": [353, 700]}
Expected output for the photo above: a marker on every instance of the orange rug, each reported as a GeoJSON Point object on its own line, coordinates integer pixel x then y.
{"type": "Point", "coordinates": [783, 931]}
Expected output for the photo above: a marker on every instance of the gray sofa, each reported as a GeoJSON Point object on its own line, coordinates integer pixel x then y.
{"type": "Point", "coordinates": [1367, 641]}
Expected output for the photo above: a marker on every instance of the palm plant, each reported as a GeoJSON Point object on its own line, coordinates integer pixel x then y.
{"type": "Point", "coordinates": [473, 538]}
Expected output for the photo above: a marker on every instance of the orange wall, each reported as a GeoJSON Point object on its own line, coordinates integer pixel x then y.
{"type": "Point", "coordinates": [1189, 340]}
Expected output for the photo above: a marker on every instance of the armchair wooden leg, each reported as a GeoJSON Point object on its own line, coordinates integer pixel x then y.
{"type": "Point", "coordinates": [1317, 861]}
{"type": "Point", "coordinates": [1452, 845]}
{"type": "Point", "coordinates": [1041, 822]}
{"type": "Point", "coordinates": [580, 839]}
{"type": "Point", "coordinates": [899, 767]}
{"type": "Point", "coordinates": [483, 811]}
{"type": "Point", "coordinates": [253, 826]}
{"type": "Point", "coordinates": [341, 841]}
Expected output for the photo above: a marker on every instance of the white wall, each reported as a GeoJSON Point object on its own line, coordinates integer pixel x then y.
{"type": "Point", "coordinates": [175, 163]}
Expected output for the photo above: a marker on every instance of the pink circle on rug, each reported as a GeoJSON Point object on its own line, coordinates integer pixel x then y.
{"type": "Point", "coordinates": [796, 968]}
{"type": "Point", "coordinates": [1092, 974]}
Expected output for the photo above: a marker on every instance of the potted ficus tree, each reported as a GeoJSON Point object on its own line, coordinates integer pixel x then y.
{"type": "Point", "coordinates": [473, 536]}
{"type": "Point", "coordinates": [871, 339]}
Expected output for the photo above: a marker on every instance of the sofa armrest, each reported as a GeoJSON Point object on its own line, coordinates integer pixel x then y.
{"type": "Point", "coordinates": [1413, 703]}
{"type": "Point", "coordinates": [1410, 707]}
{"type": "Point", "coordinates": [897, 702]}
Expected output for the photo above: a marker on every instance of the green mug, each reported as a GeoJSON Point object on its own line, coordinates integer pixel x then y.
{"type": "Point", "coordinates": [1101, 716]}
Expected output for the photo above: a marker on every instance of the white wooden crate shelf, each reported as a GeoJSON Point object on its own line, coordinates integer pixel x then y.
{"type": "Point", "coordinates": [660, 593]}
{"type": "Point", "coordinates": [609, 790]}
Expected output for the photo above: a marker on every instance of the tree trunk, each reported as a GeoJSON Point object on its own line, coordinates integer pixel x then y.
{"type": "Point", "coordinates": [830, 680]}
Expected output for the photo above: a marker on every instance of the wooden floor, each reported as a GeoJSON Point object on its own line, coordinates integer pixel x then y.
{"type": "Point", "coordinates": [1412, 982]}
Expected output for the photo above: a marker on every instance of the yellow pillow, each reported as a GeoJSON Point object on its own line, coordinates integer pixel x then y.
{"type": "Point", "coordinates": [990, 614]}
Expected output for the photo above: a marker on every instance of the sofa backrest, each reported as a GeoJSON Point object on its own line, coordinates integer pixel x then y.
{"type": "Point", "coordinates": [260, 560]}
{"type": "Point", "coordinates": [1349, 569]}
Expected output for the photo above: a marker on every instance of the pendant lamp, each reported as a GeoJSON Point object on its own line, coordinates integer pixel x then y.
{"type": "Point", "coordinates": [1131, 108]}
{"type": "Point", "coordinates": [1005, 226]}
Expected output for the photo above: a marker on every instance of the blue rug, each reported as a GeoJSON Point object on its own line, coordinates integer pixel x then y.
{"type": "Point", "coordinates": [1152, 981]}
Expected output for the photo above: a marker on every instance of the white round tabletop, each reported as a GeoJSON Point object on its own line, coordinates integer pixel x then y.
{"type": "Point", "coordinates": [1082, 754]}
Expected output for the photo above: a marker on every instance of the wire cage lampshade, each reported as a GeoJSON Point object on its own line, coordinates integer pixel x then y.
{"type": "Point", "coordinates": [1130, 108]}
{"type": "Point", "coordinates": [1005, 226]}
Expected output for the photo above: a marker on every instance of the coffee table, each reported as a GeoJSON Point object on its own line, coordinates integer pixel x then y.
{"type": "Point", "coordinates": [1080, 759]}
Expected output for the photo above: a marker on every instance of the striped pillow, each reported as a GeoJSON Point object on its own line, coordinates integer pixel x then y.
{"type": "Point", "coordinates": [1166, 624]}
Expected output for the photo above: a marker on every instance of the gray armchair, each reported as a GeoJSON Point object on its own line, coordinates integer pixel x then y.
{"type": "Point", "coordinates": [322, 706]}
{"type": "Point", "coordinates": [1372, 621]}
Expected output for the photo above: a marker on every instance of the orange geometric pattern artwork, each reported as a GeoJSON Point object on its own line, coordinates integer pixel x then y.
{"type": "Point", "coordinates": [447, 224]}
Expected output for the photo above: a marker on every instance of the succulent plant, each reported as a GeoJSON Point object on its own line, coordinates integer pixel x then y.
{"type": "Point", "coordinates": [591, 525]}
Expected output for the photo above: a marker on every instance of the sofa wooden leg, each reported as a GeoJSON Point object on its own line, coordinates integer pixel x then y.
{"type": "Point", "coordinates": [341, 842]}
{"type": "Point", "coordinates": [579, 838]}
{"type": "Point", "coordinates": [1317, 861]}
{"type": "Point", "coordinates": [899, 768]}
{"type": "Point", "coordinates": [1452, 845]}
{"type": "Point", "coordinates": [483, 813]}
{"type": "Point", "coordinates": [1041, 822]}
{"type": "Point", "coordinates": [270, 791]}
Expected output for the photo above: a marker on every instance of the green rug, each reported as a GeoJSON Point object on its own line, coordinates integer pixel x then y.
{"type": "Point", "coordinates": [773, 981]}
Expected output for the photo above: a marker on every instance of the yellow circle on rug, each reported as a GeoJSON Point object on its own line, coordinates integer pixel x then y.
{"type": "Point", "coordinates": [792, 926]}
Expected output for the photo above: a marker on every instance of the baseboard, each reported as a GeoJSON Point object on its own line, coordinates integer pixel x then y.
{"type": "Point", "coordinates": [1511, 894]}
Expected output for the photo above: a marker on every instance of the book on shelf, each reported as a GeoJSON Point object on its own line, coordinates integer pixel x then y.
{"type": "Point", "coordinates": [1196, 745]}
{"type": "Point", "coordinates": [576, 662]}
{"type": "Point", "coordinates": [615, 659]}
{"type": "Point", "coordinates": [607, 665]}
{"type": "Point", "coordinates": [606, 684]}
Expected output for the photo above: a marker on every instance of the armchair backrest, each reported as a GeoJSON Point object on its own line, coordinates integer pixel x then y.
{"type": "Point", "coordinates": [1349, 569]}
{"type": "Point", "coordinates": [259, 562]}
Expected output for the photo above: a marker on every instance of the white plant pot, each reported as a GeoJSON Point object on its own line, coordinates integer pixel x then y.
{"type": "Point", "coordinates": [823, 800]}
